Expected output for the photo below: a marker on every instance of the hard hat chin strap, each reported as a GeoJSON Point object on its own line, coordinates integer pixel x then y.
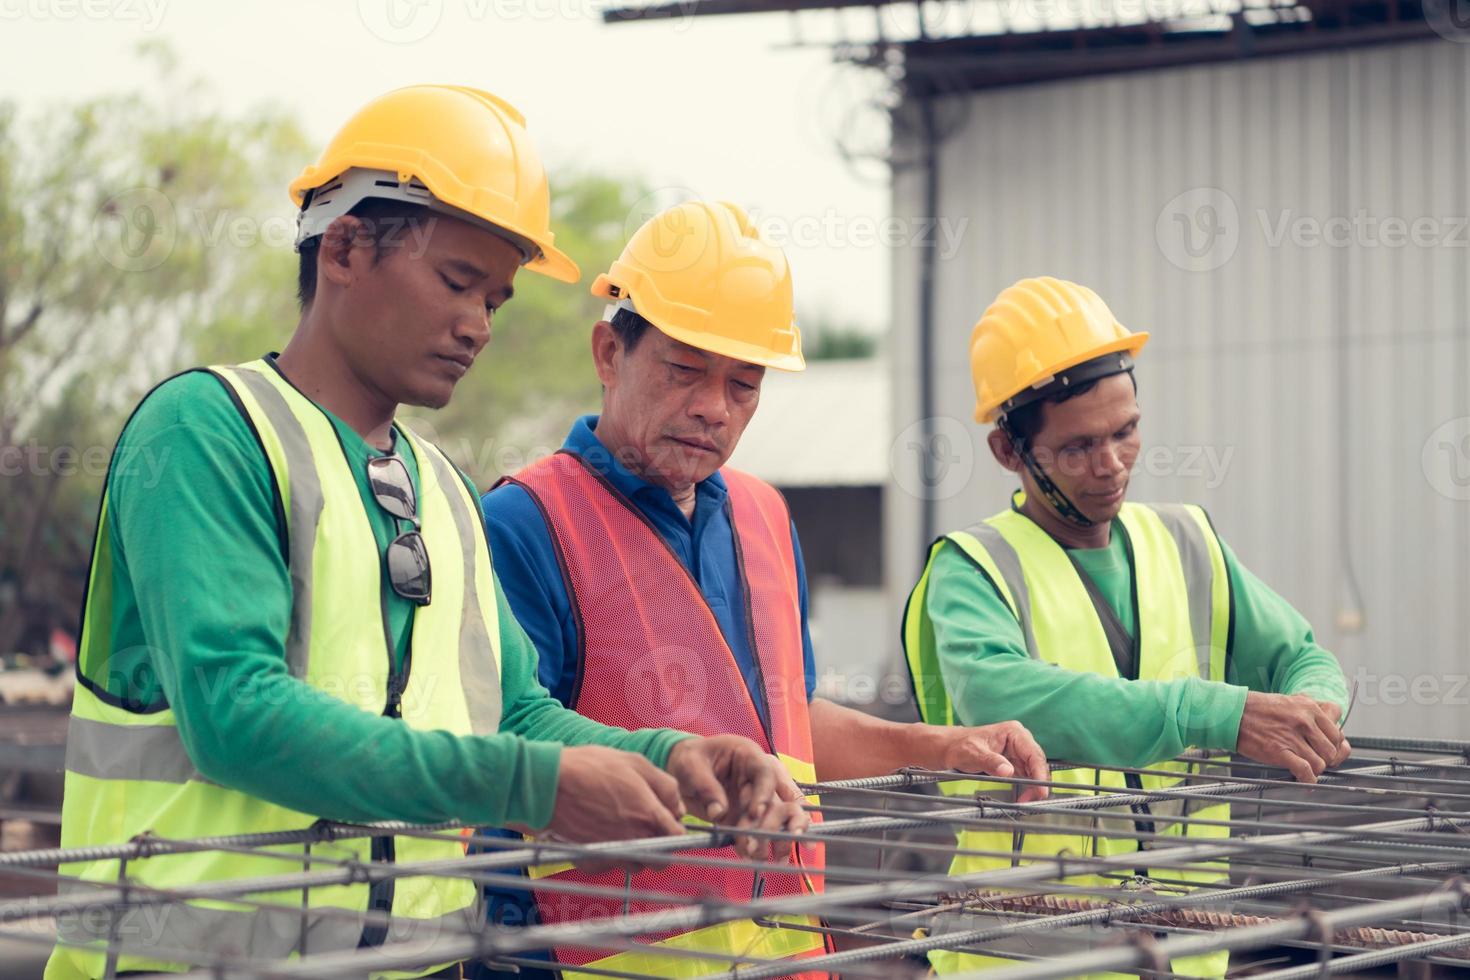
{"type": "Point", "coordinates": [1064, 507]}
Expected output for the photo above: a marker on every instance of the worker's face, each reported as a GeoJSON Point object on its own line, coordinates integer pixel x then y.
{"type": "Point", "coordinates": [678, 411]}
{"type": "Point", "coordinates": [1087, 446]}
{"type": "Point", "coordinates": [414, 319]}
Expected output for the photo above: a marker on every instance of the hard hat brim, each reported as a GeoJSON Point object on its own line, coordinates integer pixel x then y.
{"type": "Point", "coordinates": [358, 184]}
{"type": "Point", "coordinates": [604, 288]}
{"type": "Point", "coordinates": [555, 263]}
{"type": "Point", "coordinates": [1133, 343]}
{"type": "Point", "coordinates": [749, 353]}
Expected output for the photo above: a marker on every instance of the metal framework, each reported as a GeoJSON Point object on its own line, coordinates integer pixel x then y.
{"type": "Point", "coordinates": [969, 45]}
{"type": "Point", "coordinates": [1358, 871]}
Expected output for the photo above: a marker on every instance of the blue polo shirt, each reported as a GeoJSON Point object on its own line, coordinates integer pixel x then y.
{"type": "Point", "coordinates": [526, 564]}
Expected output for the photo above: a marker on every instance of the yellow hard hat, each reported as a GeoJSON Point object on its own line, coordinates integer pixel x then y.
{"type": "Point", "coordinates": [1033, 332]}
{"type": "Point", "coordinates": [702, 274]}
{"type": "Point", "coordinates": [456, 150]}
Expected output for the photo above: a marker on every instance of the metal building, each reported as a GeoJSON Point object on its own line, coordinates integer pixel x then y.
{"type": "Point", "coordinates": [1293, 232]}
{"type": "Point", "coordinates": [1277, 191]}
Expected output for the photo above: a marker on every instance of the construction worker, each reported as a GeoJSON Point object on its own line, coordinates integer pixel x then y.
{"type": "Point", "coordinates": [296, 617]}
{"type": "Point", "coordinates": [1164, 640]}
{"type": "Point", "coordinates": [662, 587]}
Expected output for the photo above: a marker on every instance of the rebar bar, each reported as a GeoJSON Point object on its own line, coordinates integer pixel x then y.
{"type": "Point", "coordinates": [1311, 924]}
{"type": "Point", "coordinates": [1368, 937]}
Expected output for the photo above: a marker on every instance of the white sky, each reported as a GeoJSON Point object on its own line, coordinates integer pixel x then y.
{"type": "Point", "coordinates": [725, 107]}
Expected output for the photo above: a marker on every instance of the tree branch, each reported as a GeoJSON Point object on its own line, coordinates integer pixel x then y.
{"type": "Point", "coordinates": [11, 336]}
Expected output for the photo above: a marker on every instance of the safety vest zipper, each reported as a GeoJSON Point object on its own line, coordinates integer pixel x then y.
{"type": "Point", "coordinates": [1133, 779]}
{"type": "Point", "coordinates": [381, 892]}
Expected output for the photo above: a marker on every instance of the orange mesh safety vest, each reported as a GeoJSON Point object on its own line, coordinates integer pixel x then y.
{"type": "Point", "coordinates": [651, 654]}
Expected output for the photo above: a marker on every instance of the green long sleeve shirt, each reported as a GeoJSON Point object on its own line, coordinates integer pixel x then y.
{"type": "Point", "coordinates": [1108, 720]}
{"type": "Point", "coordinates": [202, 604]}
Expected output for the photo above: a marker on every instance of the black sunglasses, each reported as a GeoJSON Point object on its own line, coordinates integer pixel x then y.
{"type": "Point", "coordinates": [408, 557]}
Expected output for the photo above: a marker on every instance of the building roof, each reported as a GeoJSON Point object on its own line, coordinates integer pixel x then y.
{"type": "Point", "coordinates": [823, 427]}
{"type": "Point", "coordinates": [1059, 45]}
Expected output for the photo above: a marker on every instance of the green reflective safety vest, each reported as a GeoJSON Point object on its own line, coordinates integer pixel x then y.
{"type": "Point", "coordinates": [127, 771]}
{"type": "Point", "coordinates": [1181, 591]}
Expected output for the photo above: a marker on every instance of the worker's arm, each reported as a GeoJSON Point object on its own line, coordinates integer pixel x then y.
{"type": "Point", "coordinates": [850, 744]}
{"type": "Point", "coordinates": [1086, 717]}
{"type": "Point", "coordinates": [1074, 715]}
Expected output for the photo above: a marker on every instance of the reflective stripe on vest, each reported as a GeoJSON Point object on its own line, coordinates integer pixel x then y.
{"type": "Point", "coordinates": [1181, 586]}
{"type": "Point", "coordinates": [127, 771]}
{"type": "Point", "coordinates": [652, 654]}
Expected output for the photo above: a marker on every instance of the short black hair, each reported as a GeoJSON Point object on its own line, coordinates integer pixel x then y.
{"type": "Point", "coordinates": [1024, 422]}
{"type": "Point", "coordinates": [630, 328]}
{"type": "Point", "coordinates": [385, 222]}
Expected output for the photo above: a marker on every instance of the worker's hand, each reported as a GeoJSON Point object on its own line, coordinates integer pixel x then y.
{"type": "Point", "coordinates": [1292, 731]}
{"type": "Point", "coordinates": [606, 794]}
{"type": "Point", "coordinates": [1004, 749]}
{"type": "Point", "coordinates": [728, 780]}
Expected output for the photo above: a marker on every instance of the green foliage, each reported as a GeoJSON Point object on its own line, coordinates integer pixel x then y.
{"type": "Point", "coordinates": [116, 271]}
{"type": "Point", "coordinates": [824, 342]}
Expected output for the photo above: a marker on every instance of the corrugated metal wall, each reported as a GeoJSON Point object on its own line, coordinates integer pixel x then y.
{"type": "Point", "coordinates": [1313, 394]}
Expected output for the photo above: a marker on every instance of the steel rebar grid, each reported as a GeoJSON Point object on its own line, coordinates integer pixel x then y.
{"type": "Point", "coordinates": [833, 830]}
{"type": "Point", "coordinates": [916, 946]}
{"type": "Point", "coordinates": [551, 853]}
{"type": "Point", "coordinates": [595, 934]}
{"type": "Point", "coordinates": [325, 831]}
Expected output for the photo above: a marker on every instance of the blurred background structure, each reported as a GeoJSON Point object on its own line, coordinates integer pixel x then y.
{"type": "Point", "coordinates": [1276, 191]}
{"type": "Point", "coordinates": [1280, 199]}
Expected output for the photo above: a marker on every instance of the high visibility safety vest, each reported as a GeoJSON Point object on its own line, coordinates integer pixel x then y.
{"type": "Point", "coordinates": [1182, 628]}
{"type": "Point", "coordinates": [651, 654]}
{"type": "Point", "coordinates": [127, 771]}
